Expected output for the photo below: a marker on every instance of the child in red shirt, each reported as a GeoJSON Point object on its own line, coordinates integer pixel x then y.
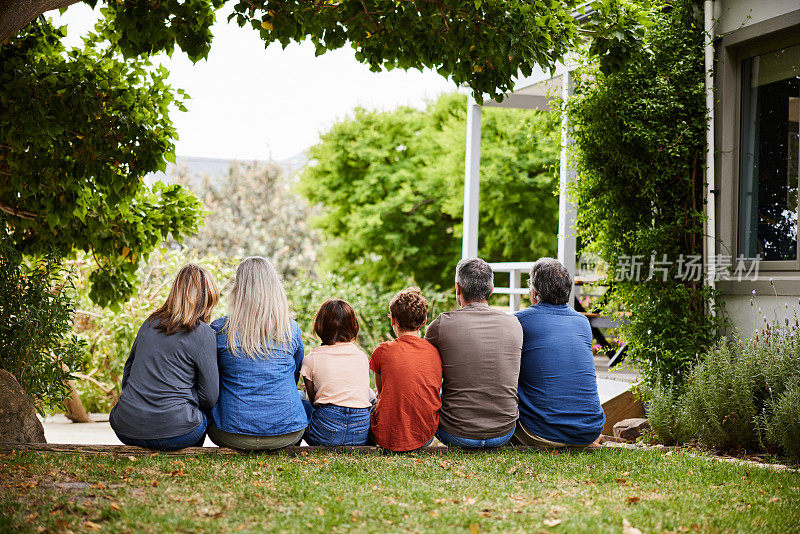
{"type": "Point", "coordinates": [408, 374]}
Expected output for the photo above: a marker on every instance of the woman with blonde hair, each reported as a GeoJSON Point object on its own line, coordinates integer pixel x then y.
{"type": "Point", "coordinates": [260, 351]}
{"type": "Point", "coordinates": [171, 375]}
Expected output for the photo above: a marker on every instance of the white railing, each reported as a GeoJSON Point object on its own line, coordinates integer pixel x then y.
{"type": "Point", "coordinates": [514, 289]}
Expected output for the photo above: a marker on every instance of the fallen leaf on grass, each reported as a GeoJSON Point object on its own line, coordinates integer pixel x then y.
{"type": "Point", "coordinates": [633, 499]}
{"type": "Point", "coordinates": [628, 529]}
{"type": "Point", "coordinates": [434, 513]}
{"type": "Point", "coordinates": [470, 500]}
{"type": "Point", "coordinates": [474, 528]}
{"type": "Point", "coordinates": [320, 511]}
{"type": "Point", "coordinates": [115, 506]}
{"type": "Point", "coordinates": [551, 522]}
{"type": "Point", "coordinates": [774, 499]}
{"type": "Point", "coordinates": [92, 525]}
{"type": "Point", "coordinates": [620, 480]}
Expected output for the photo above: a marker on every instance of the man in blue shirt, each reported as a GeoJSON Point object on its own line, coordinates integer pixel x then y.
{"type": "Point", "coordinates": [558, 401]}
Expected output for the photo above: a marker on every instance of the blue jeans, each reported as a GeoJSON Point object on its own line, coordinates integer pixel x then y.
{"type": "Point", "coordinates": [331, 426]}
{"type": "Point", "coordinates": [195, 438]}
{"type": "Point", "coordinates": [467, 443]}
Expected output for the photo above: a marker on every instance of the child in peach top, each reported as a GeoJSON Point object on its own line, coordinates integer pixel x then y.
{"type": "Point", "coordinates": [336, 375]}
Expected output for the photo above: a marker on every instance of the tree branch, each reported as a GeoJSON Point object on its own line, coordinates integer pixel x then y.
{"type": "Point", "coordinates": [22, 214]}
{"type": "Point", "coordinates": [16, 14]}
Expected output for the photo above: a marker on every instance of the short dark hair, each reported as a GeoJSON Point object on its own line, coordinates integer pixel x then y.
{"type": "Point", "coordinates": [551, 280]}
{"type": "Point", "coordinates": [476, 279]}
{"type": "Point", "coordinates": [335, 322]}
{"type": "Point", "coordinates": [410, 309]}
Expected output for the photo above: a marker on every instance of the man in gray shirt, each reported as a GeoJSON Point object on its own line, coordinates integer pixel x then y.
{"type": "Point", "coordinates": [480, 349]}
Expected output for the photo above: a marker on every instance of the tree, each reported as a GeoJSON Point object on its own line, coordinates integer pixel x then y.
{"type": "Point", "coordinates": [253, 211]}
{"type": "Point", "coordinates": [483, 43]}
{"type": "Point", "coordinates": [391, 189]}
{"type": "Point", "coordinates": [79, 129]}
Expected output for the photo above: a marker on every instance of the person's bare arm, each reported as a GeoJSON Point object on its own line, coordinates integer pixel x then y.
{"type": "Point", "coordinates": [378, 383]}
{"type": "Point", "coordinates": [310, 391]}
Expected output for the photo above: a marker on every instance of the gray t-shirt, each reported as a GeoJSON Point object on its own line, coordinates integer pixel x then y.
{"type": "Point", "coordinates": [167, 380]}
{"type": "Point", "coordinates": [480, 349]}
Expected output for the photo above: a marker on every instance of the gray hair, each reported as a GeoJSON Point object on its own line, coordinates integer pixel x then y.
{"type": "Point", "coordinates": [258, 312]}
{"type": "Point", "coordinates": [551, 281]}
{"type": "Point", "coordinates": [476, 279]}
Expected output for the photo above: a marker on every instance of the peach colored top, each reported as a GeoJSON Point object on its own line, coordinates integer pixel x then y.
{"type": "Point", "coordinates": [340, 374]}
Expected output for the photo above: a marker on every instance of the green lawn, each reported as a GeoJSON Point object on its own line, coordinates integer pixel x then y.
{"type": "Point", "coordinates": [508, 491]}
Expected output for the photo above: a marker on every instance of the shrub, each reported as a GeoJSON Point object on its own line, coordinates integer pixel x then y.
{"type": "Point", "coordinates": [782, 425]}
{"type": "Point", "coordinates": [36, 343]}
{"type": "Point", "coordinates": [720, 399]}
{"type": "Point", "coordinates": [743, 396]}
{"type": "Point", "coordinates": [666, 412]}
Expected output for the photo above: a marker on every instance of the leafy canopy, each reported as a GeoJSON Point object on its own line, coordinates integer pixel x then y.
{"type": "Point", "coordinates": [391, 186]}
{"type": "Point", "coordinates": [79, 129]}
{"type": "Point", "coordinates": [482, 43]}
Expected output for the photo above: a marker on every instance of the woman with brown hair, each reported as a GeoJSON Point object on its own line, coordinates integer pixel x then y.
{"type": "Point", "coordinates": [171, 375]}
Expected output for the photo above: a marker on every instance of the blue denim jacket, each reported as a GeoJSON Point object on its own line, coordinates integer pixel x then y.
{"type": "Point", "coordinates": [259, 396]}
{"type": "Point", "coordinates": [557, 389]}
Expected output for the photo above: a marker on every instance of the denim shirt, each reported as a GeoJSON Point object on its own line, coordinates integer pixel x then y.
{"type": "Point", "coordinates": [259, 396]}
{"type": "Point", "coordinates": [557, 389]}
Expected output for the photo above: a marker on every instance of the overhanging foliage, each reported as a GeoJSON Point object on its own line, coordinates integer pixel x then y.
{"type": "Point", "coordinates": [640, 136]}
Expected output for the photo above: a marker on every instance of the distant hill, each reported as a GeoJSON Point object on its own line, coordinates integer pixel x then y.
{"type": "Point", "coordinates": [216, 167]}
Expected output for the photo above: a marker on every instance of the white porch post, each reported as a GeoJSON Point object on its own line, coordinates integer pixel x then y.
{"type": "Point", "coordinates": [469, 248]}
{"type": "Point", "coordinates": [566, 210]}
{"type": "Point", "coordinates": [513, 298]}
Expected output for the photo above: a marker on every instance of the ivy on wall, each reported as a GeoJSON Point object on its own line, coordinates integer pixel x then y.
{"type": "Point", "coordinates": [640, 138]}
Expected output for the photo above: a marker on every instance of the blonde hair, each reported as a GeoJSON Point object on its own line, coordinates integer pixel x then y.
{"type": "Point", "coordinates": [192, 298]}
{"type": "Point", "coordinates": [258, 311]}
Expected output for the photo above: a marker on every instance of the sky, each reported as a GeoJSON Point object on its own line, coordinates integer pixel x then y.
{"type": "Point", "coordinates": [251, 103]}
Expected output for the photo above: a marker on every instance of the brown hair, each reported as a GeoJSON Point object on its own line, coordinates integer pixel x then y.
{"type": "Point", "coordinates": [410, 309]}
{"type": "Point", "coordinates": [191, 299]}
{"type": "Point", "coordinates": [335, 322]}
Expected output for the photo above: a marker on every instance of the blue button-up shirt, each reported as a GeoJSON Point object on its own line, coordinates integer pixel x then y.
{"type": "Point", "coordinates": [557, 389]}
{"type": "Point", "coordinates": [259, 396]}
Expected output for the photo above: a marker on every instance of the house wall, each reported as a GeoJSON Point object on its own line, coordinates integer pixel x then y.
{"type": "Point", "coordinates": [735, 14]}
{"type": "Point", "coordinates": [747, 28]}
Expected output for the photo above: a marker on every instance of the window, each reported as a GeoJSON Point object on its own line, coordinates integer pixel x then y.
{"type": "Point", "coordinates": [770, 155]}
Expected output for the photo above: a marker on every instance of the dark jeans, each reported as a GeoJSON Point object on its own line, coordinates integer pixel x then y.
{"type": "Point", "coordinates": [468, 443]}
{"type": "Point", "coordinates": [195, 438]}
{"type": "Point", "coordinates": [330, 425]}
